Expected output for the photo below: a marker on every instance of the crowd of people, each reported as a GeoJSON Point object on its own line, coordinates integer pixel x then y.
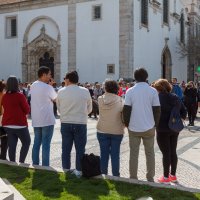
{"type": "Point", "coordinates": [143, 108]}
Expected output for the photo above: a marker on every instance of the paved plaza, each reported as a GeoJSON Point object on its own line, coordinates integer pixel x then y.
{"type": "Point", "coordinates": [188, 171]}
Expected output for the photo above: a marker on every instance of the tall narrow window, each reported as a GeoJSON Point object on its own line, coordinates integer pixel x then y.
{"type": "Point", "coordinates": [182, 28]}
{"type": "Point", "coordinates": [144, 12]}
{"type": "Point", "coordinates": [96, 12]}
{"type": "Point", "coordinates": [11, 27]}
{"type": "Point", "coordinates": [165, 11]}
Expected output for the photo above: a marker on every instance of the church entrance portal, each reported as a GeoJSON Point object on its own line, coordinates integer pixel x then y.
{"type": "Point", "coordinates": [166, 64]}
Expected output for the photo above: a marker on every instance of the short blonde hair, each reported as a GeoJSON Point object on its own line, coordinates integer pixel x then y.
{"type": "Point", "coordinates": [162, 85]}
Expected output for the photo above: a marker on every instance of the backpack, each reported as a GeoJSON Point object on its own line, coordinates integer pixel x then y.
{"type": "Point", "coordinates": [175, 122]}
{"type": "Point", "coordinates": [90, 165]}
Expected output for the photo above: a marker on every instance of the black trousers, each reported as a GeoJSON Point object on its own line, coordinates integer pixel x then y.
{"type": "Point", "coordinates": [167, 142]}
{"type": "Point", "coordinates": [55, 109]}
{"type": "Point", "coordinates": [192, 111]}
{"type": "Point", "coordinates": [4, 144]}
{"type": "Point", "coordinates": [13, 136]}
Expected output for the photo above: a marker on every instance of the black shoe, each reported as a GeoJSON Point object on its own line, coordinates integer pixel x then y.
{"type": "Point", "coordinates": [192, 124]}
{"type": "Point", "coordinates": [189, 124]}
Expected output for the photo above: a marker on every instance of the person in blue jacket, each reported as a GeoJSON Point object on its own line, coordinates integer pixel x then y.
{"type": "Point", "coordinates": [176, 89]}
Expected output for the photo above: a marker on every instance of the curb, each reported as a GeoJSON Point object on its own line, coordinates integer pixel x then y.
{"type": "Point", "coordinates": [113, 178]}
{"type": "Point", "coordinates": [5, 191]}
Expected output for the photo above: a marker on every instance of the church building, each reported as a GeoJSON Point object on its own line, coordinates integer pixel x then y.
{"type": "Point", "coordinates": [98, 38]}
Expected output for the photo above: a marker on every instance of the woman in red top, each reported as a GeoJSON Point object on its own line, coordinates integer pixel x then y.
{"type": "Point", "coordinates": [14, 119]}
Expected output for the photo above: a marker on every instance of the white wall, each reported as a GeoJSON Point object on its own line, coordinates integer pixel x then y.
{"type": "Point", "coordinates": [11, 49]}
{"type": "Point", "coordinates": [149, 43]}
{"type": "Point", "coordinates": [97, 41]}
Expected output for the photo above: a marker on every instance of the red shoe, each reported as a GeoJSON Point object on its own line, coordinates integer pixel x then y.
{"type": "Point", "coordinates": [162, 179]}
{"type": "Point", "coordinates": [173, 179]}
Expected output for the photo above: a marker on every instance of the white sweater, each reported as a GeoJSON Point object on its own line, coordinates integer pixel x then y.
{"type": "Point", "coordinates": [74, 104]}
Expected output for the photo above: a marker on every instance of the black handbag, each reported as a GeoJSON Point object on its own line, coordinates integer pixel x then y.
{"type": "Point", "coordinates": [90, 165]}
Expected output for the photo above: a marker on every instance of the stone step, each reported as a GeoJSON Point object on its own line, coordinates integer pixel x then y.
{"type": "Point", "coordinates": [5, 191]}
{"type": "Point", "coordinates": [16, 194]}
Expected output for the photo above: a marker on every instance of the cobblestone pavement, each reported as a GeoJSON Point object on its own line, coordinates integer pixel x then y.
{"type": "Point", "coordinates": [188, 171]}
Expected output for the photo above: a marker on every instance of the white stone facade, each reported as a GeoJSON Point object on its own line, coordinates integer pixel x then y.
{"type": "Point", "coordinates": [76, 41]}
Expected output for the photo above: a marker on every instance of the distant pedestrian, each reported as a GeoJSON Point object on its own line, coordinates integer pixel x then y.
{"type": "Point", "coordinates": [191, 102]}
{"type": "Point", "coordinates": [74, 104]}
{"type": "Point", "coordinates": [122, 90]}
{"type": "Point", "coordinates": [166, 138]}
{"type": "Point", "coordinates": [110, 128]}
{"type": "Point", "coordinates": [42, 97]}
{"type": "Point", "coordinates": [98, 91]}
{"type": "Point", "coordinates": [176, 89]}
{"type": "Point", "coordinates": [14, 121]}
{"type": "Point", "coordinates": [141, 114]}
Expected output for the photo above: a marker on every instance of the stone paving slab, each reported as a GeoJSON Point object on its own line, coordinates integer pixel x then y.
{"type": "Point", "coordinates": [5, 192]}
{"type": "Point", "coordinates": [16, 193]}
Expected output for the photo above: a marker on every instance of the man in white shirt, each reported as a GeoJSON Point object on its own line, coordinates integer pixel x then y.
{"type": "Point", "coordinates": [74, 104]}
{"type": "Point", "coordinates": [42, 97]}
{"type": "Point", "coordinates": [141, 114]}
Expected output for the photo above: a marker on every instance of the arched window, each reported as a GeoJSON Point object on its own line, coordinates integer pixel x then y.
{"type": "Point", "coordinates": [144, 12]}
{"type": "Point", "coordinates": [165, 11]}
{"type": "Point", "coordinates": [182, 28]}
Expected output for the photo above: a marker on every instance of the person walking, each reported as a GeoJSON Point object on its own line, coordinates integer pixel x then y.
{"type": "Point", "coordinates": [42, 97]}
{"type": "Point", "coordinates": [190, 101]}
{"type": "Point", "coordinates": [110, 128]}
{"type": "Point", "coordinates": [176, 89]}
{"type": "Point", "coordinates": [141, 114]}
{"type": "Point", "coordinates": [74, 103]}
{"type": "Point", "coordinates": [3, 135]}
{"type": "Point", "coordinates": [14, 121]}
{"type": "Point", "coordinates": [167, 138]}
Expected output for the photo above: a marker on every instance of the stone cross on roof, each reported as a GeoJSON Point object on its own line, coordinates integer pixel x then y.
{"type": "Point", "coordinates": [42, 30]}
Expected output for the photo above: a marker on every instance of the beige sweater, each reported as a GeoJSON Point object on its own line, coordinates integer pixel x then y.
{"type": "Point", "coordinates": [110, 110]}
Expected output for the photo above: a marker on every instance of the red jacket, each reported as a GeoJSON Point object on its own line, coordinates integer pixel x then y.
{"type": "Point", "coordinates": [121, 92]}
{"type": "Point", "coordinates": [15, 110]}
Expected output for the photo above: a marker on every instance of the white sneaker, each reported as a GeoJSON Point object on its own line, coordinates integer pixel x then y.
{"type": "Point", "coordinates": [77, 173]}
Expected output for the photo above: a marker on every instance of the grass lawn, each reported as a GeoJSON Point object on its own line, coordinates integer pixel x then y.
{"type": "Point", "coordinates": [43, 185]}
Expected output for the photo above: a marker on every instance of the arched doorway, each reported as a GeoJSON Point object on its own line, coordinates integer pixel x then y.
{"type": "Point", "coordinates": [47, 61]}
{"type": "Point", "coordinates": [41, 51]}
{"type": "Point", "coordinates": [166, 63]}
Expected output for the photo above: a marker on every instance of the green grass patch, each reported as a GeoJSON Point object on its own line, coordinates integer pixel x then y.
{"type": "Point", "coordinates": [44, 185]}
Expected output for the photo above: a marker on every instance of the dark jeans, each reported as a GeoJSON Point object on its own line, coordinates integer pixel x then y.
{"type": "Point", "coordinates": [77, 134]}
{"type": "Point", "coordinates": [167, 142]}
{"type": "Point", "coordinates": [110, 146]}
{"type": "Point", "coordinates": [13, 136]}
{"type": "Point", "coordinates": [4, 143]}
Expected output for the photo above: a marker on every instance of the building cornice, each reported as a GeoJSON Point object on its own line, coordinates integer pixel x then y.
{"type": "Point", "coordinates": [36, 4]}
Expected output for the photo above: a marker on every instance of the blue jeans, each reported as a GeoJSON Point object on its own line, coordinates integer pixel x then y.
{"type": "Point", "coordinates": [77, 134]}
{"type": "Point", "coordinates": [43, 135]}
{"type": "Point", "coordinates": [109, 146]}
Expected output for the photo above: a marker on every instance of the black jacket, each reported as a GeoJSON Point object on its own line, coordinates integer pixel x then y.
{"type": "Point", "coordinates": [167, 102]}
{"type": "Point", "coordinates": [190, 96]}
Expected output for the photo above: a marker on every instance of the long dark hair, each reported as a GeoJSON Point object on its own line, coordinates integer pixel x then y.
{"type": "Point", "coordinates": [12, 85]}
